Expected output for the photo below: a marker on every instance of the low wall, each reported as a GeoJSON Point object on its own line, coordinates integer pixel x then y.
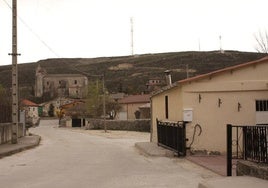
{"type": "Point", "coordinates": [247, 168]}
{"type": "Point", "coordinates": [6, 132]}
{"type": "Point", "coordinates": [142, 125]}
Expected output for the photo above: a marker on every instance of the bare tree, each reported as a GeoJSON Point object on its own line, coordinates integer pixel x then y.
{"type": "Point", "coordinates": [262, 42]}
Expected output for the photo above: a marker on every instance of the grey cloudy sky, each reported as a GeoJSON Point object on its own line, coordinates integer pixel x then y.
{"type": "Point", "coordinates": [94, 28]}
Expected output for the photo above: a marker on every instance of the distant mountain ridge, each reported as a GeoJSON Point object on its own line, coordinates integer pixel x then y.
{"type": "Point", "coordinates": [129, 73]}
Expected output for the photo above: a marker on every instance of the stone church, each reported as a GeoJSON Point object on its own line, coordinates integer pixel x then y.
{"type": "Point", "coordinates": [60, 85]}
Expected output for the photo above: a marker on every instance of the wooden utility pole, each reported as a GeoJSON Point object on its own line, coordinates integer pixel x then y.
{"type": "Point", "coordinates": [14, 54]}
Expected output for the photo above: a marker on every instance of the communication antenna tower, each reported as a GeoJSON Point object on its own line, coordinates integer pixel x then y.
{"type": "Point", "coordinates": [199, 45]}
{"type": "Point", "coordinates": [221, 50]}
{"type": "Point", "coordinates": [132, 40]}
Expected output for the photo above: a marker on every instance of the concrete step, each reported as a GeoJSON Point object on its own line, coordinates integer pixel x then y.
{"type": "Point", "coordinates": [234, 182]}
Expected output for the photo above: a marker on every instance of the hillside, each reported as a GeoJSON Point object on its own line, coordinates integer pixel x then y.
{"type": "Point", "coordinates": [129, 73]}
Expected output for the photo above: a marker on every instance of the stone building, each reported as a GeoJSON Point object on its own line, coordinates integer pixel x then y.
{"type": "Point", "coordinates": [59, 85]}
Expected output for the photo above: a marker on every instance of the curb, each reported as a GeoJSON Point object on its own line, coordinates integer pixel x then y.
{"type": "Point", "coordinates": [21, 148]}
{"type": "Point", "coordinates": [153, 150]}
{"type": "Point", "coordinates": [234, 182]}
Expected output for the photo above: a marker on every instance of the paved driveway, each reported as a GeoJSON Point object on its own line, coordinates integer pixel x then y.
{"type": "Point", "coordinates": [68, 158]}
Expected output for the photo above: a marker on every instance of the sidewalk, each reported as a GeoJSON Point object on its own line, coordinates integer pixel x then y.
{"type": "Point", "coordinates": [215, 163]}
{"type": "Point", "coordinates": [24, 143]}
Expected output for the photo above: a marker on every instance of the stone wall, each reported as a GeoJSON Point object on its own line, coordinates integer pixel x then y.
{"type": "Point", "coordinates": [6, 132]}
{"type": "Point", "coordinates": [142, 125]}
{"type": "Point", "coordinates": [247, 168]}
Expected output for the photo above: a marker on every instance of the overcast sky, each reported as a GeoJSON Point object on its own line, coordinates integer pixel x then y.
{"type": "Point", "coordinates": [95, 28]}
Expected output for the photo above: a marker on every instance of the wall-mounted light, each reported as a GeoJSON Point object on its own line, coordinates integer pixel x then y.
{"type": "Point", "coordinates": [239, 107]}
{"type": "Point", "coordinates": [219, 102]}
{"type": "Point", "coordinates": [199, 98]}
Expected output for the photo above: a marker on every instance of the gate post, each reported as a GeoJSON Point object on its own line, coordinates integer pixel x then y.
{"type": "Point", "coordinates": [229, 150]}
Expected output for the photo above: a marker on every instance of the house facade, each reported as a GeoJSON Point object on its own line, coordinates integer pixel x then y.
{"type": "Point", "coordinates": [56, 104]}
{"type": "Point", "coordinates": [60, 85]}
{"type": "Point", "coordinates": [235, 95]}
{"type": "Point", "coordinates": [31, 111]}
{"type": "Point", "coordinates": [134, 107]}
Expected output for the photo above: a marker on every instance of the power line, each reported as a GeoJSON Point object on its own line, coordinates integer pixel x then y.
{"type": "Point", "coordinates": [44, 43]}
{"type": "Point", "coordinates": [33, 32]}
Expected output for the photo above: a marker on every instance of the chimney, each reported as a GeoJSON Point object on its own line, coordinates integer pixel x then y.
{"type": "Point", "coordinates": [168, 77]}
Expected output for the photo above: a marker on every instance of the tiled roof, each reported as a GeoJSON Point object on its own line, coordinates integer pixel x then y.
{"type": "Point", "coordinates": [202, 76]}
{"type": "Point", "coordinates": [263, 60]}
{"type": "Point", "coordinates": [135, 99]}
{"type": "Point", "coordinates": [74, 103]}
{"type": "Point", "coordinates": [147, 105]}
{"type": "Point", "coordinates": [26, 102]}
{"type": "Point", "coordinates": [117, 95]}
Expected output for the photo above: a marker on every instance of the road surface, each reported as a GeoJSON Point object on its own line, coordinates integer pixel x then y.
{"type": "Point", "coordinates": [70, 159]}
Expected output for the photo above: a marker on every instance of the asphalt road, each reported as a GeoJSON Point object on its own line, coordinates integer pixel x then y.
{"type": "Point", "coordinates": [67, 158]}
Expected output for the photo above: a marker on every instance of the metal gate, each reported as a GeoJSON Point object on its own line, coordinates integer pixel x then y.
{"type": "Point", "coordinates": [247, 143]}
{"type": "Point", "coordinates": [172, 135]}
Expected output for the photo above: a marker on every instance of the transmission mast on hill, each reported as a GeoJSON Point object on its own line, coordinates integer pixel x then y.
{"type": "Point", "coordinates": [132, 40]}
{"type": "Point", "coordinates": [221, 50]}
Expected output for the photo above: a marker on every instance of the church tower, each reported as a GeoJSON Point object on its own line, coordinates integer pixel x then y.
{"type": "Point", "coordinates": [39, 75]}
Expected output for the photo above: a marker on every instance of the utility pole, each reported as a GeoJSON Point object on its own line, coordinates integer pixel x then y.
{"type": "Point", "coordinates": [199, 45]}
{"type": "Point", "coordinates": [14, 54]}
{"type": "Point", "coordinates": [104, 103]}
{"type": "Point", "coordinates": [187, 71]}
{"type": "Point", "coordinates": [221, 50]}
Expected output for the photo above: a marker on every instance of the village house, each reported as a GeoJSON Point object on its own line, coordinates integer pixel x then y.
{"type": "Point", "coordinates": [55, 104]}
{"type": "Point", "coordinates": [235, 95]}
{"type": "Point", "coordinates": [134, 107]}
{"type": "Point", "coordinates": [154, 84]}
{"type": "Point", "coordinates": [31, 111]}
{"type": "Point", "coordinates": [60, 85]}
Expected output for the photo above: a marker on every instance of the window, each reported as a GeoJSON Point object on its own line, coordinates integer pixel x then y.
{"type": "Point", "coordinates": [166, 106]}
{"type": "Point", "coordinates": [75, 82]}
{"type": "Point", "coordinates": [261, 105]}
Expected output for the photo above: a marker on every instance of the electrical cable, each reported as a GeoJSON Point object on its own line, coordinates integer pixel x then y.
{"type": "Point", "coordinates": [33, 32]}
{"type": "Point", "coordinates": [43, 42]}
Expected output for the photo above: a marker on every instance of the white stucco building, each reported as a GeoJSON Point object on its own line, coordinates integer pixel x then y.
{"type": "Point", "coordinates": [235, 95]}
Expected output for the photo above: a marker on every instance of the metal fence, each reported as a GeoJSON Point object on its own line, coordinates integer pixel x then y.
{"type": "Point", "coordinates": [247, 143]}
{"type": "Point", "coordinates": [172, 135]}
